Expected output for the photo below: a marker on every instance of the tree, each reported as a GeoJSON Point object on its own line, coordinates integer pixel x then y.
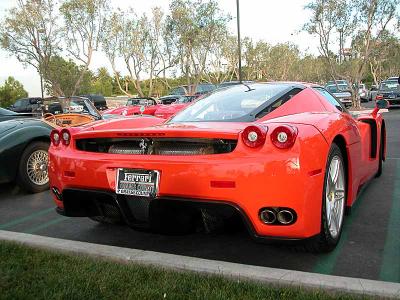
{"type": "Point", "coordinates": [142, 43]}
{"type": "Point", "coordinates": [30, 32]}
{"type": "Point", "coordinates": [62, 75]}
{"type": "Point", "coordinates": [85, 21]}
{"type": "Point", "coordinates": [362, 22]}
{"type": "Point", "coordinates": [102, 83]}
{"type": "Point", "coordinates": [11, 91]}
{"type": "Point", "coordinates": [194, 33]}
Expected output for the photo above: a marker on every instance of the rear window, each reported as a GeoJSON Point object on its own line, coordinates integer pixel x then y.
{"type": "Point", "coordinates": [239, 103]}
{"type": "Point", "coordinates": [389, 85]}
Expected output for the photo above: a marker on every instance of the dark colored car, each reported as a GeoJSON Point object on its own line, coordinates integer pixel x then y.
{"type": "Point", "coordinates": [201, 89]}
{"type": "Point", "coordinates": [98, 100]}
{"type": "Point", "coordinates": [6, 115]}
{"type": "Point", "coordinates": [373, 92]}
{"type": "Point", "coordinates": [389, 90]}
{"type": "Point", "coordinates": [23, 153]}
{"type": "Point", "coordinates": [26, 105]}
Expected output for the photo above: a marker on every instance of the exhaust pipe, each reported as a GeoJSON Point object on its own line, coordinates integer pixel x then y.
{"type": "Point", "coordinates": [267, 216]}
{"type": "Point", "coordinates": [285, 217]}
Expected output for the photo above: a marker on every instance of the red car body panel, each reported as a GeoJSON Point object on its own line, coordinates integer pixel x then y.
{"type": "Point", "coordinates": [167, 111]}
{"type": "Point", "coordinates": [258, 177]}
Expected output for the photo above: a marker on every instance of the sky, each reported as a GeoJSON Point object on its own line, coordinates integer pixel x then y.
{"type": "Point", "coordinates": [275, 21]}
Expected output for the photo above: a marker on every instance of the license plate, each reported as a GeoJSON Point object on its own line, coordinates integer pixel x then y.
{"type": "Point", "coordinates": [134, 182]}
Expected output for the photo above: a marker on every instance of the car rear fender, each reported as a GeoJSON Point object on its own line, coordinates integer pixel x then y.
{"type": "Point", "coordinates": [14, 143]}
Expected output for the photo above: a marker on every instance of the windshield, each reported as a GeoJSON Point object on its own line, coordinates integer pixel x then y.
{"type": "Point", "coordinates": [389, 86]}
{"type": "Point", "coordinates": [185, 99]}
{"type": "Point", "coordinates": [168, 100]}
{"type": "Point", "coordinates": [232, 104]}
{"type": "Point", "coordinates": [337, 89]}
{"type": "Point", "coordinates": [78, 105]}
{"type": "Point", "coordinates": [6, 112]}
{"type": "Point", "coordinates": [145, 102]}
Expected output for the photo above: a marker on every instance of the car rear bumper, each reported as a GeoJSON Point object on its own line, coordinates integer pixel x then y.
{"type": "Point", "coordinates": [283, 180]}
{"type": "Point", "coordinates": [93, 201]}
{"type": "Point", "coordinates": [393, 102]}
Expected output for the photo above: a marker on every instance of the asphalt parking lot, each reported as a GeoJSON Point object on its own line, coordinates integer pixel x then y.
{"type": "Point", "coordinates": [369, 248]}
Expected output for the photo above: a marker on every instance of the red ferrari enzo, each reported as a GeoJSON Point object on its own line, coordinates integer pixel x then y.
{"type": "Point", "coordinates": [287, 158]}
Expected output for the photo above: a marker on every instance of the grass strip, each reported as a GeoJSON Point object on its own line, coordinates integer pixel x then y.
{"type": "Point", "coordinates": [28, 273]}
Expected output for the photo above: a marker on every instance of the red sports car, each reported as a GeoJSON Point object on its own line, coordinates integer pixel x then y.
{"type": "Point", "coordinates": [133, 106]}
{"type": "Point", "coordinates": [287, 158]}
{"type": "Point", "coordinates": [167, 111]}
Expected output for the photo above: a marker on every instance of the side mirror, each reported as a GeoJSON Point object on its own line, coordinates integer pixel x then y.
{"type": "Point", "coordinates": [382, 104]}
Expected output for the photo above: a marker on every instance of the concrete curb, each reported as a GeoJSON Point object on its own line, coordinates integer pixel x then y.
{"type": "Point", "coordinates": [277, 277]}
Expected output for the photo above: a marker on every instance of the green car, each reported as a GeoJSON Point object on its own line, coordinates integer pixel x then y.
{"type": "Point", "coordinates": [23, 153]}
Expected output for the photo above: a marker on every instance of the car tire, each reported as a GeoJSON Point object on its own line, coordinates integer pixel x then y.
{"type": "Point", "coordinates": [32, 173]}
{"type": "Point", "coordinates": [380, 163]}
{"type": "Point", "coordinates": [330, 234]}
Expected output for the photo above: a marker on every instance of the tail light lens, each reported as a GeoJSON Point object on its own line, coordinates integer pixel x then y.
{"type": "Point", "coordinates": [65, 137]}
{"type": "Point", "coordinates": [284, 137]}
{"type": "Point", "coordinates": [254, 136]}
{"type": "Point", "coordinates": [55, 137]}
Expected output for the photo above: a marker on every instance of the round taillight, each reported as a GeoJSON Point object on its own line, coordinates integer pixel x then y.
{"type": "Point", "coordinates": [55, 137]}
{"type": "Point", "coordinates": [284, 137]}
{"type": "Point", "coordinates": [65, 137]}
{"type": "Point", "coordinates": [254, 136]}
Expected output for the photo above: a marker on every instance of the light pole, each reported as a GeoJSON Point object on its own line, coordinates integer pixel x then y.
{"type": "Point", "coordinates": [239, 42]}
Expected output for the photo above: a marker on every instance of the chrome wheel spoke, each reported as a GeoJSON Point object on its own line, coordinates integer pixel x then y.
{"type": "Point", "coordinates": [36, 167]}
{"type": "Point", "coordinates": [335, 196]}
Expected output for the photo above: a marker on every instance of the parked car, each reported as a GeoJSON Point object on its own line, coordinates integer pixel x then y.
{"type": "Point", "coordinates": [363, 93]}
{"type": "Point", "coordinates": [26, 105]}
{"type": "Point", "coordinates": [6, 114]}
{"type": "Point", "coordinates": [166, 111]}
{"type": "Point", "coordinates": [344, 83]}
{"type": "Point", "coordinates": [287, 158]}
{"type": "Point", "coordinates": [373, 92]}
{"type": "Point", "coordinates": [342, 92]}
{"type": "Point", "coordinates": [390, 91]}
{"type": "Point", "coordinates": [201, 89]}
{"type": "Point", "coordinates": [98, 100]}
{"type": "Point", "coordinates": [24, 143]}
{"type": "Point", "coordinates": [133, 106]}
{"type": "Point", "coordinates": [395, 78]}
